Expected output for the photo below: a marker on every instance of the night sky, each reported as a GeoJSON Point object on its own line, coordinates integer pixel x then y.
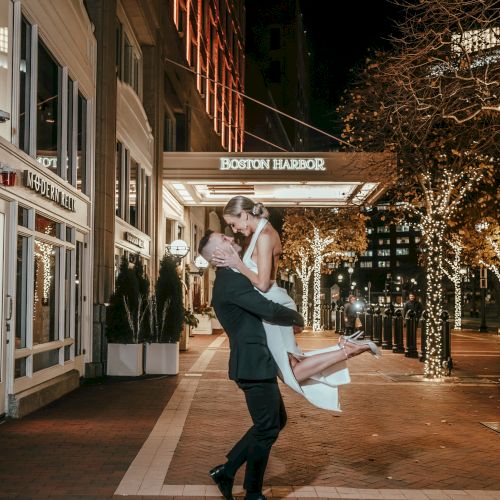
{"type": "Point", "coordinates": [339, 34]}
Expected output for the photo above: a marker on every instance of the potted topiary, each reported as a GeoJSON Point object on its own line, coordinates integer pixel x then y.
{"type": "Point", "coordinates": [126, 320]}
{"type": "Point", "coordinates": [166, 321]}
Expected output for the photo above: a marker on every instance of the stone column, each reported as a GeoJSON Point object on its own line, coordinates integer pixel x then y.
{"type": "Point", "coordinates": [103, 15]}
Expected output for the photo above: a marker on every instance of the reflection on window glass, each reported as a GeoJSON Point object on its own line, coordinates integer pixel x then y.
{"type": "Point", "coordinates": [21, 290]}
{"type": "Point", "coordinates": [44, 293]}
{"type": "Point", "coordinates": [20, 368]}
{"type": "Point", "coordinates": [24, 85]}
{"type": "Point", "coordinates": [81, 165]}
{"type": "Point", "coordinates": [46, 226]}
{"type": "Point", "coordinates": [47, 109]}
{"type": "Point", "coordinates": [45, 360]}
{"type": "Point", "coordinates": [22, 217]}
{"type": "Point", "coordinates": [134, 168]}
{"type": "Point", "coordinates": [68, 289]}
{"type": "Point", "coordinates": [70, 133]}
{"type": "Point", "coordinates": [118, 180]}
{"type": "Point", "coordinates": [78, 298]}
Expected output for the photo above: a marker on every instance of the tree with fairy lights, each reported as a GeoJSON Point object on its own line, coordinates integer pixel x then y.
{"type": "Point", "coordinates": [433, 100]}
{"type": "Point", "coordinates": [453, 269]}
{"type": "Point", "coordinates": [313, 238]}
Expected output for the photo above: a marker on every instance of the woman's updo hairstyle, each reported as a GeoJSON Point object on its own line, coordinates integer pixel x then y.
{"type": "Point", "coordinates": [238, 204]}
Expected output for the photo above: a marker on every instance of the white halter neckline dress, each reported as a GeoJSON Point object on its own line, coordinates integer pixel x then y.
{"type": "Point", "coordinates": [320, 390]}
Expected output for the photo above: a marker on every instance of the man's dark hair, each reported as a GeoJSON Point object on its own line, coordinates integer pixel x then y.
{"type": "Point", "coordinates": [204, 240]}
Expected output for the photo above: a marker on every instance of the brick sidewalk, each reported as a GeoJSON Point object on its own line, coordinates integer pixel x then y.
{"type": "Point", "coordinates": [397, 437]}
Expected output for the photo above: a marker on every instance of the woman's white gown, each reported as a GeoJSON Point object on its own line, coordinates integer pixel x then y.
{"type": "Point", "coordinates": [320, 390]}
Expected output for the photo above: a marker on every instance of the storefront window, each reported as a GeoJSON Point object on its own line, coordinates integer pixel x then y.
{"type": "Point", "coordinates": [46, 226]}
{"type": "Point", "coordinates": [23, 217]}
{"type": "Point", "coordinates": [22, 290]}
{"type": "Point", "coordinates": [45, 360]}
{"type": "Point", "coordinates": [81, 165]}
{"type": "Point", "coordinates": [5, 100]}
{"type": "Point", "coordinates": [25, 86]}
{"type": "Point", "coordinates": [70, 133]}
{"type": "Point", "coordinates": [78, 298]}
{"type": "Point", "coordinates": [44, 292]}
{"type": "Point", "coordinates": [68, 292]}
{"type": "Point", "coordinates": [47, 115]}
{"type": "Point", "coordinates": [118, 180]}
{"type": "Point", "coordinates": [133, 193]}
{"type": "Point", "coordinates": [20, 368]}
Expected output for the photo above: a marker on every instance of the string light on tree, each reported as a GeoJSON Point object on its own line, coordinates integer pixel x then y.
{"type": "Point", "coordinates": [455, 273]}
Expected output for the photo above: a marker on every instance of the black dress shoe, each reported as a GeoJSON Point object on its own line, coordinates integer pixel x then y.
{"type": "Point", "coordinates": [259, 497]}
{"type": "Point", "coordinates": [223, 481]}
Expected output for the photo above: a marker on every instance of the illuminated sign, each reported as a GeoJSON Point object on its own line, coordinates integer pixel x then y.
{"type": "Point", "coordinates": [317, 164]}
{"type": "Point", "coordinates": [48, 190]}
{"type": "Point", "coordinates": [135, 240]}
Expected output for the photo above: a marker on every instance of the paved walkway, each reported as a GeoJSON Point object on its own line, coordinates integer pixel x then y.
{"type": "Point", "coordinates": [398, 437]}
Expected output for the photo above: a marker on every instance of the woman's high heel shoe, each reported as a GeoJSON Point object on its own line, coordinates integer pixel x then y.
{"type": "Point", "coordinates": [374, 350]}
{"type": "Point", "coordinates": [353, 339]}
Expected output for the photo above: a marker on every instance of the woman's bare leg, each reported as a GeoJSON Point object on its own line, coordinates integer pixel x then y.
{"type": "Point", "coordinates": [312, 365]}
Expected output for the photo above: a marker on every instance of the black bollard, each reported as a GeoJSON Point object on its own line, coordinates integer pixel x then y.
{"type": "Point", "coordinates": [399, 345]}
{"type": "Point", "coordinates": [377, 326]}
{"type": "Point", "coordinates": [423, 336]}
{"type": "Point", "coordinates": [369, 323]}
{"type": "Point", "coordinates": [411, 335]}
{"type": "Point", "coordinates": [337, 319]}
{"type": "Point", "coordinates": [446, 340]}
{"type": "Point", "coordinates": [387, 332]}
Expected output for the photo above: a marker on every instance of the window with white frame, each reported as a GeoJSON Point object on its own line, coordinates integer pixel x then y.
{"type": "Point", "coordinates": [48, 273]}
{"type": "Point", "coordinates": [128, 59]}
{"type": "Point", "coordinates": [52, 113]}
{"type": "Point", "coordinates": [132, 191]}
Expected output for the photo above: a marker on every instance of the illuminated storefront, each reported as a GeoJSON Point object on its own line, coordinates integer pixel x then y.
{"type": "Point", "coordinates": [46, 214]}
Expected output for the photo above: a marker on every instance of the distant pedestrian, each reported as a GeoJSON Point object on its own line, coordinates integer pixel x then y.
{"type": "Point", "coordinates": [412, 304]}
{"type": "Point", "coordinates": [350, 315]}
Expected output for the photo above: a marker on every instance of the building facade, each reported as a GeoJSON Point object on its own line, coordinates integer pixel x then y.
{"type": "Point", "coordinates": [47, 101]}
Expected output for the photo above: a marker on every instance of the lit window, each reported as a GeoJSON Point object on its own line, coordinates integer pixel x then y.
{"type": "Point", "coordinates": [366, 263]}
{"type": "Point", "coordinates": [384, 263]}
{"type": "Point", "coordinates": [383, 229]}
{"type": "Point", "coordinates": [402, 228]}
{"type": "Point", "coordinates": [367, 253]}
{"type": "Point", "coordinates": [384, 252]}
{"type": "Point", "coordinates": [403, 240]}
{"type": "Point", "coordinates": [402, 251]}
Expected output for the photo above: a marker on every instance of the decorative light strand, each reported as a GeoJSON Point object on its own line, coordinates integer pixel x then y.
{"type": "Point", "coordinates": [304, 273]}
{"type": "Point", "coordinates": [318, 246]}
{"type": "Point", "coordinates": [455, 277]}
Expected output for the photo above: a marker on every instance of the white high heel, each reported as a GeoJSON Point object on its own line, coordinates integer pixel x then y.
{"type": "Point", "coordinates": [353, 339]}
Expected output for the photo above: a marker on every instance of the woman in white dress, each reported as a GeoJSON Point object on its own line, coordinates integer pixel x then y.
{"type": "Point", "coordinates": [315, 374]}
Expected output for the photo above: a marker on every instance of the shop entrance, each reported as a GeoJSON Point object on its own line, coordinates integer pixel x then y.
{"type": "Point", "coordinates": [5, 307]}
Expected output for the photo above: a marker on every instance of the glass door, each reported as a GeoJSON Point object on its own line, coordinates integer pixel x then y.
{"type": "Point", "coordinates": [5, 306]}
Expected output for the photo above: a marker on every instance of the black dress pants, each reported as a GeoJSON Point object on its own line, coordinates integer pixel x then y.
{"type": "Point", "coordinates": [267, 410]}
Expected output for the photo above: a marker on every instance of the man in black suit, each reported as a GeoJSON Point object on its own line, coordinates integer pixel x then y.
{"type": "Point", "coordinates": [241, 309]}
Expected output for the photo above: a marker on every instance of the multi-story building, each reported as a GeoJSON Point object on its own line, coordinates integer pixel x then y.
{"type": "Point", "coordinates": [47, 141]}
{"type": "Point", "coordinates": [92, 93]}
{"type": "Point", "coordinates": [276, 44]}
{"type": "Point", "coordinates": [389, 266]}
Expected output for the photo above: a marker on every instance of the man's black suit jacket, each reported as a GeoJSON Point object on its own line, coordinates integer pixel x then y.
{"type": "Point", "coordinates": [240, 309]}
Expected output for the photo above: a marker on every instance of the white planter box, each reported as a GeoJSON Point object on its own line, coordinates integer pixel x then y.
{"type": "Point", "coordinates": [162, 359]}
{"type": "Point", "coordinates": [216, 324]}
{"type": "Point", "coordinates": [204, 326]}
{"type": "Point", "coordinates": [125, 360]}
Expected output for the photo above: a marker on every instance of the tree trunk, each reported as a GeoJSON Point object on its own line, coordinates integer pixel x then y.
{"type": "Point", "coordinates": [434, 231]}
{"type": "Point", "coordinates": [305, 300]}
{"type": "Point", "coordinates": [317, 292]}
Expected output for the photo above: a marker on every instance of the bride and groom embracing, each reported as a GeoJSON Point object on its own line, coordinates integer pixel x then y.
{"type": "Point", "coordinates": [260, 320]}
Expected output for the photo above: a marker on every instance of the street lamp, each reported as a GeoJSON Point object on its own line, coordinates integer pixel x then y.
{"type": "Point", "coordinates": [178, 249]}
{"type": "Point", "coordinates": [201, 264]}
{"type": "Point", "coordinates": [350, 270]}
